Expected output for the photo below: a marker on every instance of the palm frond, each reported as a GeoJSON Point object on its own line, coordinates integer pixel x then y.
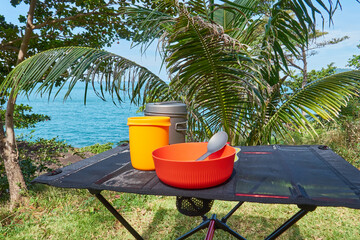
{"type": "Point", "coordinates": [320, 99]}
{"type": "Point", "coordinates": [234, 16]}
{"type": "Point", "coordinates": [104, 71]}
{"type": "Point", "coordinates": [289, 23]}
{"type": "Point", "coordinates": [210, 68]}
{"type": "Point", "coordinates": [153, 22]}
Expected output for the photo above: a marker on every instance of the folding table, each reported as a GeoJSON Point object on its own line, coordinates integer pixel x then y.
{"type": "Point", "coordinates": [308, 176]}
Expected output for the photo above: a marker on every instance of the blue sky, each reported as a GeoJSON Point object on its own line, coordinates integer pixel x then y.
{"type": "Point", "coordinates": [346, 22]}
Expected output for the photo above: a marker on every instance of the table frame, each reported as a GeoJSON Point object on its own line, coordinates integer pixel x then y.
{"type": "Point", "coordinates": [95, 176]}
{"type": "Point", "coordinates": [211, 223]}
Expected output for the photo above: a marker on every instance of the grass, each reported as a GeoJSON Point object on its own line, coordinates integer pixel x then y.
{"type": "Point", "coordinates": [53, 213]}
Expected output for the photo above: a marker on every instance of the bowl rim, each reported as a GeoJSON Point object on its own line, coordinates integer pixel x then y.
{"type": "Point", "coordinates": [192, 161]}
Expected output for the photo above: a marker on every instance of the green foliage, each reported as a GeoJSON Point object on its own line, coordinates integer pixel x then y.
{"type": "Point", "coordinates": [341, 136]}
{"type": "Point", "coordinates": [15, 2]}
{"type": "Point", "coordinates": [125, 142]}
{"type": "Point", "coordinates": [8, 32]}
{"type": "Point", "coordinates": [294, 84]}
{"type": "Point", "coordinates": [344, 139]}
{"type": "Point", "coordinates": [35, 157]}
{"type": "Point", "coordinates": [96, 148]}
{"type": "Point", "coordinates": [332, 41]}
{"type": "Point", "coordinates": [351, 110]}
{"type": "Point", "coordinates": [354, 61]}
{"type": "Point", "coordinates": [90, 23]}
{"type": "Point", "coordinates": [23, 118]}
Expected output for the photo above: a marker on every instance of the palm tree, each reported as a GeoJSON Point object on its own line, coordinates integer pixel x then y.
{"type": "Point", "coordinates": [226, 63]}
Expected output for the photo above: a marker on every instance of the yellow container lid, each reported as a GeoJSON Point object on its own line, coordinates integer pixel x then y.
{"type": "Point", "coordinates": [149, 121]}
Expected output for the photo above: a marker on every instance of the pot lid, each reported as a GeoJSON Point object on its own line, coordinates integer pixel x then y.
{"type": "Point", "coordinates": [171, 107]}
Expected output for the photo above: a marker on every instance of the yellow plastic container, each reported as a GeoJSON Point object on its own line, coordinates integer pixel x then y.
{"type": "Point", "coordinates": [145, 135]}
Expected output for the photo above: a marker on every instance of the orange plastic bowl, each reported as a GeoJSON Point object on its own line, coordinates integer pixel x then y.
{"type": "Point", "coordinates": [175, 165]}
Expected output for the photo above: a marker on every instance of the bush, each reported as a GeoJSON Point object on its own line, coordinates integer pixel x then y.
{"type": "Point", "coordinates": [96, 148]}
{"type": "Point", "coordinates": [35, 157]}
{"type": "Point", "coordinates": [343, 137]}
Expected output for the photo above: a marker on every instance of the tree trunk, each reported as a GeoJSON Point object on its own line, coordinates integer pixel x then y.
{"type": "Point", "coordinates": [13, 171]}
{"type": "Point", "coordinates": [8, 153]}
{"type": "Point", "coordinates": [8, 147]}
{"type": "Point", "coordinates": [305, 74]}
{"type": "Point", "coordinates": [305, 70]}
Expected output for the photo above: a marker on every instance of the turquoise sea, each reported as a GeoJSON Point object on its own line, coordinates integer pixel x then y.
{"type": "Point", "coordinates": [78, 124]}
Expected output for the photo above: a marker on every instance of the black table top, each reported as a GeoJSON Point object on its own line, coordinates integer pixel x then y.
{"type": "Point", "coordinates": [303, 175]}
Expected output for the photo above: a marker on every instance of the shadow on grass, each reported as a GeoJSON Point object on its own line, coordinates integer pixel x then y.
{"type": "Point", "coordinates": [38, 188]}
{"type": "Point", "coordinates": [32, 189]}
{"type": "Point", "coordinates": [251, 227]}
{"type": "Point", "coordinates": [153, 227]}
{"type": "Point", "coordinates": [258, 227]}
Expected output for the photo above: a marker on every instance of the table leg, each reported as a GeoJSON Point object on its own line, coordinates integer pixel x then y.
{"type": "Point", "coordinates": [303, 211]}
{"type": "Point", "coordinates": [116, 214]}
{"type": "Point", "coordinates": [212, 223]}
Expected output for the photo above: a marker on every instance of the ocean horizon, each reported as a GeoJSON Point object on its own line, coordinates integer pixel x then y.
{"type": "Point", "coordinates": [77, 124]}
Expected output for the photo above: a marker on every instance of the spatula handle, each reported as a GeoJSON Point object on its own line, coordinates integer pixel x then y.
{"type": "Point", "coordinates": [203, 156]}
